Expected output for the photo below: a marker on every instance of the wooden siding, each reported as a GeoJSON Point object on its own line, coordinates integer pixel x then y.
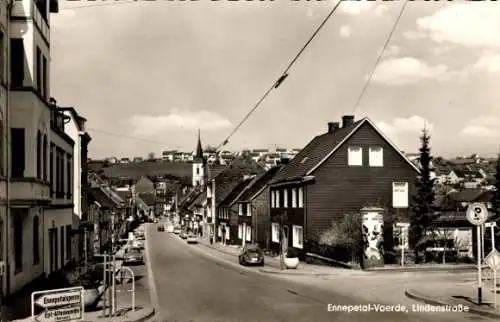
{"type": "Point", "coordinates": [261, 219]}
{"type": "Point", "coordinates": [340, 189]}
{"type": "Point", "coordinates": [233, 223]}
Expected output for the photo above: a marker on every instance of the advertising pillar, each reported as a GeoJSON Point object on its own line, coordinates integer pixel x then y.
{"type": "Point", "coordinates": [373, 239]}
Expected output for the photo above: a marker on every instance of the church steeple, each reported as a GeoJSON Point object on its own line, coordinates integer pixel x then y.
{"type": "Point", "coordinates": [199, 149]}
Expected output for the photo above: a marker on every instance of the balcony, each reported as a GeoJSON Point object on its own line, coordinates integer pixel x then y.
{"type": "Point", "coordinates": [29, 190]}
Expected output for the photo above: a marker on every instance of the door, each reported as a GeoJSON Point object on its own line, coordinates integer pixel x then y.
{"type": "Point", "coordinates": [285, 239]}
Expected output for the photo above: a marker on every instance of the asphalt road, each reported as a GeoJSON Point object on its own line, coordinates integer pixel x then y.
{"type": "Point", "coordinates": [191, 286]}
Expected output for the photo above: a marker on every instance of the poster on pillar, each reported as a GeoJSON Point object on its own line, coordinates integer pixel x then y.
{"type": "Point", "coordinates": [373, 240]}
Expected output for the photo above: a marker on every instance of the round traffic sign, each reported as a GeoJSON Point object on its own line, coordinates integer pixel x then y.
{"type": "Point", "coordinates": [477, 214]}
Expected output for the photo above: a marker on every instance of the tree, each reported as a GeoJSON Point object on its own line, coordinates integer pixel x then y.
{"type": "Point", "coordinates": [151, 156]}
{"type": "Point", "coordinates": [422, 207]}
{"type": "Point", "coordinates": [209, 149]}
{"type": "Point", "coordinates": [346, 234]}
{"type": "Point", "coordinates": [496, 197]}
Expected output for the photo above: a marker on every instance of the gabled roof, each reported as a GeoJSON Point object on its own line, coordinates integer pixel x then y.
{"type": "Point", "coordinates": [314, 154]}
{"type": "Point", "coordinates": [235, 192]}
{"type": "Point", "coordinates": [197, 201]}
{"type": "Point", "coordinates": [214, 170]}
{"type": "Point", "coordinates": [462, 173]}
{"type": "Point", "coordinates": [124, 194]}
{"type": "Point", "coordinates": [148, 198]}
{"type": "Point", "coordinates": [104, 199]}
{"type": "Point", "coordinates": [259, 184]}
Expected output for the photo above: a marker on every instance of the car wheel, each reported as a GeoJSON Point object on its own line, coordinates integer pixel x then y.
{"type": "Point", "coordinates": [261, 264]}
{"type": "Point", "coordinates": [240, 261]}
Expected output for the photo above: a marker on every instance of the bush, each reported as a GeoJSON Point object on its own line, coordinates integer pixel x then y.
{"type": "Point", "coordinates": [343, 240]}
{"type": "Point", "coordinates": [292, 253]}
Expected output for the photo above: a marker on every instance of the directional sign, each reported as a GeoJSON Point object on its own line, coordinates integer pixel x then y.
{"type": "Point", "coordinates": [65, 304]}
{"type": "Point", "coordinates": [59, 299]}
{"type": "Point", "coordinates": [493, 260]}
{"type": "Point", "coordinates": [477, 214]}
{"type": "Point", "coordinates": [490, 224]}
{"type": "Point", "coordinates": [61, 314]}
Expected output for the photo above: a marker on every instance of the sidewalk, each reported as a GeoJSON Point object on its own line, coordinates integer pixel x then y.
{"type": "Point", "coordinates": [273, 265]}
{"type": "Point", "coordinates": [464, 294]}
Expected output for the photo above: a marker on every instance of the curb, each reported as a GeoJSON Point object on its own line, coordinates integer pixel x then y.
{"type": "Point", "coordinates": [432, 301]}
{"type": "Point", "coordinates": [145, 317]}
{"type": "Point", "coordinates": [151, 281]}
{"type": "Point", "coordinates": [423, 269]}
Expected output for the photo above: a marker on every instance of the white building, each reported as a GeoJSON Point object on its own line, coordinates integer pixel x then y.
{"type": "Point", "coordinates": [30, 133]}
{"type": "Point", "coordinates": [199, 164]}
{"type": "Point", "coordinates": [75, 129]}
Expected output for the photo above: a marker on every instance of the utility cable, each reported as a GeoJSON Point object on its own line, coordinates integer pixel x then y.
{"type": "Point", "coordinates": [90, 5]}
{"type": "Point", "coordinates": [381, 54]}
{"type": "Point", "coordinates": [283, 76]}
{"type": "Point", "coordinates": [125, 137]}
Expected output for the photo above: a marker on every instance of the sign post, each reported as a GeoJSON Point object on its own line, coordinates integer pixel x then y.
{"type": "Point", "coordinates": [402, 237]}
{"type": "Point", "coordinates": [64, 304]}
{"type": "Point", "coordinates": [493, 261]}
{"type": "Point", "coordinates": [477, 214]}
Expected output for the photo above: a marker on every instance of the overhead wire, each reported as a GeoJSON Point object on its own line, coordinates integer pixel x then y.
{"type": "Point", "coordinates": [280, 80]}
{"type": "Point", "coordinates": [125, 136]}
{"type": "Point", "coordinates": [108, 4]}
{"type": "Point", "coordinates": [379, 58]}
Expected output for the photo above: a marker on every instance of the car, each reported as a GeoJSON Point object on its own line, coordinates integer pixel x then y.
{"type": "Point", "coordinates": [192, 239]}
{"type": "Point", "coordinates": [184, 235]}
{"type": "Point", "coordinates": [251, 254]}
{"type": "Point", "coordinates": [160, 228]}
{"type": "Point", "coordinates": [138, 244]}
{"type": "Point", "coordinates": [133, 255]}
{"type": "Point", "coordinates": [170, 228]}
{"type": "Point", "coordinates": [177, 231]}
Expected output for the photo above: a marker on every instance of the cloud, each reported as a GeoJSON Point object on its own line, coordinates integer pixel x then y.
{"type": "Point", "coordinates": [407, 70]}
{"type": "Point", "coordinates": [355, 7]}
{"type": "Point", "coordinates": [345, 31]}
{"type": "Point", "coordinates": [412, 124]}
{"type": "Point", "coordinates": [468, 24]}
{"type": "Point", "coordinates": [413, 35]}
{"type": "Point", "coordinates": [488, 62]}
{"type": "Point", "coordinates": [64, 17]}
{"type": "Point", "coordinates": [381, 9]}
{"type": "Point", "coordinates": [151, 125]}
{"type": "Point", "coordinates": [482, 127]}
{"type": "Point", "coordinates": [390, 51]}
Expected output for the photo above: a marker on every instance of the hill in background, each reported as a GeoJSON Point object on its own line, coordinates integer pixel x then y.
{"type": "Point", "coordinates": [136, 170]}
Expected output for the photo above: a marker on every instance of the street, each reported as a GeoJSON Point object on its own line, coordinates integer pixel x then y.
{"type": "Point", "coordinates": [193, 287]}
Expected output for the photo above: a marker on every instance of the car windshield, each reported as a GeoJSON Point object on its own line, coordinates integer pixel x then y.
{"type": "Point", "coordinates": [133, 251]}
{"type": "Point", "coordinates": [252, 247]}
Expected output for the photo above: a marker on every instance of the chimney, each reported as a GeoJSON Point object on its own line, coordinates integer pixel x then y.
{"type": "Point", "coordinates": [347, 120]}
{"type": "Point", "coordinates": [333, 126]}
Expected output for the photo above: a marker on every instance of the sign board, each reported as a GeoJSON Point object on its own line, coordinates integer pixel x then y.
{"type": "Point", "coordinates": [490, 224]}
{"type": "Point", "coordinates": [493, 260]}
{"type": "Point", "coordinates": [477, 213]}
{"type": "Point", "coordinates": [400, 194]}
{"type": "Point", "coordinates": [64, 304]}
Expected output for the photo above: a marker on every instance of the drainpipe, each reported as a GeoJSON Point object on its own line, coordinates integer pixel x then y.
{"type": "Point", "coordinates": [7, 161]}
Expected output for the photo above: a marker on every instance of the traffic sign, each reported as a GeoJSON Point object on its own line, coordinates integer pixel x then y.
{"type": "Point", "coordinates": [477, 213]}
{"type": "Point", "coordinates": [490, 224]}
{"type": "Point", "coordinates": [64, 304]}
{"type": "Point", "coordinates": [493, 260]}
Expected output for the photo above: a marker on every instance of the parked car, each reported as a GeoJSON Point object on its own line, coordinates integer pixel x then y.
{"type": "Point", "coordinates": [184, 235]}
{"type": "Point", "coordinates": [170, 228]}
{"type": "Point", "coordinates": [177, 230]}
{"type": "Point", "coordinates": [133, 255]}
{"type": "Point", "coordinates": [160, 228]}
{"type": "Point", "coordinates": [251, 254]}
{"type": "Point", "coordinates": [138, 244]}
{"type": "Point", "coordinates": [192, 239]}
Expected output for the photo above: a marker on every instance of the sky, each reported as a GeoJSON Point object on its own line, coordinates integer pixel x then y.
{"type": "Point", "coordinates": [148, 75]}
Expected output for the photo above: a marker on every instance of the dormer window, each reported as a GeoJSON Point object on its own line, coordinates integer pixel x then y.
{"type": "Point", "coordinates": [355, 156]}
{"type": "Point", "coordinates": [376, 156]}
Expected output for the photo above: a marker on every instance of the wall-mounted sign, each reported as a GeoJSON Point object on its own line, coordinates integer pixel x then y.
{"type": "Point", "coordinates": [400, 194]}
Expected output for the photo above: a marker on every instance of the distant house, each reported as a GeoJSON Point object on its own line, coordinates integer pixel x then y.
{"type": "Point", "coordinates": [338, 173]}
{"type": "Point", "coordinates": [124, 160]}
{"type": "Point", "coordinates": [168, 155]}
{"type": "Point", "coordinates": [471, 178]}
{"type": "Point", "coordinates": [254, 219]}
{"type": "Point", "coordinates": [145, 185]}
{"type": "Point", "coordinates": [112, 160]}
{"type": "Point", "coordinates": [138, 159]}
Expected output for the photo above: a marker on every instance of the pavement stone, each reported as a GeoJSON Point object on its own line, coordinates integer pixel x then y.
{"type": "Point", "coordinates": [464, 294]}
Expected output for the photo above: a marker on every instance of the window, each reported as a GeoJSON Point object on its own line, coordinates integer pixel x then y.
{"type": "Point", "coordinates": [39, 155]}
{"type": "Point", "coordinates": [68, 242]}
{"type": "Point", "coordinates": [36, 240]}
{"type": "Point", "coordinates": [45, 79]}
{"type": "Point", "coordinates": [58, 174]}
{"type": "Point", "coordinates": [18, 152]}
{"type": "Point", "coordinates": [240, 231]}
{"type": "Point", "coordinates": [219, 231]}
{"type": "Point", "coordinates": [273, 199]}
{"type": "Point", "coordinates": [17, 57]}
{"type": "Point", "coordinates": [285, 198]}
{"type": "Point", "coordinates": [68, 177]}
{"type": "Point", "coordinates": [294, 198]}
{"type": "Point", "coordinates": [38, 70]}
{"type": "Point", "coordinates": [275, 232]}
{"type": "Point", "coordinates": [249, 233]}
{"type": "Point", "coordinates": [376, 156]}
{"type": "Point", "coordinates": [301, 197]}
{"type": "Point", "coordinates": [51, 172]}
{"type": "Point", "coordinates": [19, 215]}
{"type": "Point", "coordinates": [44, 157]}
{"type": "Point", "coordinates": [240, 209]}
{"type": "Point", "coordinates": [278, 204]}
{"type": "Point", "coordinates": [298, 236]}
{"type": "Point", "coordinates": [197, 171]}
{"type": "Point", "coordinates": [2, 59]}
{"type": "Point", "coordinates": [355, 156]}
{"type": "Point", "coordinates": [400, 194]}
{"type": "Point", "coordinates": [63, 248]}
{"type": "Point", "coordinates": [61, 174]}
{"type": "Point", "coordinates": [249, 209]}
{"type": "Point", "coordinates": [43, 8]}
{"type": "Point", "coordinates": [227, 233]}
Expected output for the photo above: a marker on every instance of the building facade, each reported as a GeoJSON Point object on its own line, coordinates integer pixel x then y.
{"type": "Point", "coordinates": [29, 131]}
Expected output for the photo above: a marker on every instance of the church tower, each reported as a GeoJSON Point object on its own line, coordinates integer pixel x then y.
{"type": "Point", "coordinates": [198, 165]}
